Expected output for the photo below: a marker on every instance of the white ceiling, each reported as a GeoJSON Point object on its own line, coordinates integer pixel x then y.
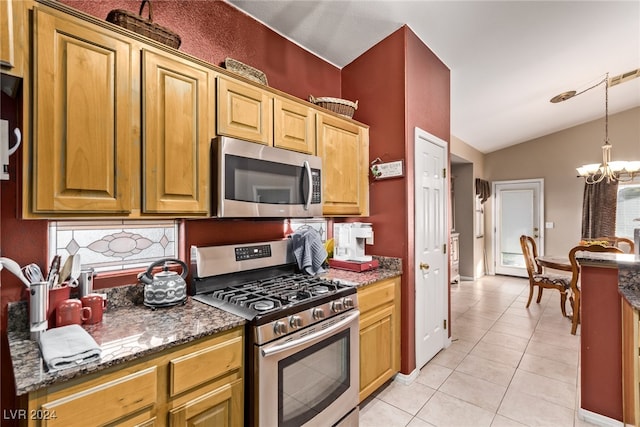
{"type": "Point", "coordinates": [507, 58]}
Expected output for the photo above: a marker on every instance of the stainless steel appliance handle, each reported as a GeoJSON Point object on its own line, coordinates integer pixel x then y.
{"type": "Point", "coordinates": [310, 189]}
{"type": "Point", "coordinates": [311, 337]}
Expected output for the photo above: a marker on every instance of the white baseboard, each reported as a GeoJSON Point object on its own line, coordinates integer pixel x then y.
{"type": "Point", "coordinates": [597, 419]}
{"type": "Point", "coordinates": [406, 379]}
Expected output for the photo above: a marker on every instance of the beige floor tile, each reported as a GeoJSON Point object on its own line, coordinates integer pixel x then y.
{"type": "Point", "coordinates": [467, 333]}
{"type": "Point", "coordinates": [465, 322]}
{"type": "Point", "coordinates": [505, 340]}
{"type": "Point", "coordinates": [377, 413]}
{"type": "Point", "coordinates": [433, 375]}
{"type": "Point", "coordinates": [462, 345]}
{"type": "Point", "coordinates": [417, 422]}
{"type": "Point", "coordinates": [495, 372]}
{"type": "Point", "coordinates": [553, 352]}
{"type": "Point", "coordinates": [520, 321]}
{"type": "Point", "coordinates": [497, 354]}
{"type": "Point", "coordinates": [544, 388]}
{"type": "Point", "coordinates": [534, 412]}
{"type": "Point", "coordinates": [446, 411]}
{"type": "Point", "coordinates": [549, 368]}
{"type": "Point", "coordinates": [500, 421]}
{"type": "Point", "coordinates": [474, 390]}
{"type": "Point", "coordinates": [559, 338]}
{"type": "Point", "coordinates": [510, 329]}
{"type": "Point", "coordinates": [449, 358]}
{"type": "Point", "coordinates": [410, 398]}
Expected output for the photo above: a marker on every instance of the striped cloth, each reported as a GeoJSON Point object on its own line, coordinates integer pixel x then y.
{"type": "Point", "coordinates": [309, 250]}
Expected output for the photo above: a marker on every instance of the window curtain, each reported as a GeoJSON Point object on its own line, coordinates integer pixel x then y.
{"type": "Point", "coordinates": [599, 209]}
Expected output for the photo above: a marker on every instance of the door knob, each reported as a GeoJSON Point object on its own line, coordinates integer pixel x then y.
{"type": "Point", "coordinates": [424, 266]}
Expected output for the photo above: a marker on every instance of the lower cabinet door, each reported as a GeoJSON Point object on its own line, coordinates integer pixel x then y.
{"type": "Point", "coordinates": [376, 350]}
{"type": "Point", "coordinates": [221, 407]}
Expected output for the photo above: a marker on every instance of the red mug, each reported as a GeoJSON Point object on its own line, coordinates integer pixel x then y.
{"type": "Point", "coordinates": [71, 312]}
{"type": "Point", "coordinates": [97, 304]}
{"type": "Point", "coordinates": [56, 296]}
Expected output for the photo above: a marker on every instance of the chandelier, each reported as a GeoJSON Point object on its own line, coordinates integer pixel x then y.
{"type": "Point", "coordinates": [593, 173]}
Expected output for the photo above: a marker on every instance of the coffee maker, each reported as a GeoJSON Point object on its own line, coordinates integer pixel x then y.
{"type": "Point", "coordinates": [349, 239]}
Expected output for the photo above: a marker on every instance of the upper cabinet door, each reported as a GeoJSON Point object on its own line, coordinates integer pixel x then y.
{"type": "Point", "coordinates": [344, 149]}
{"type": "Point", "coordinates": [244, 112]}
{"type": "Point", "coordinates": [83, 111]}
{"type": "Point", "coordinates": [177, 130]}
{"type": "Point", "coordinates": [294, 126]}
{"type": "Point", "coordinates": [12, 37]}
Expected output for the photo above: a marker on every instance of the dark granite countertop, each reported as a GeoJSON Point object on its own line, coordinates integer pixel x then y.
{"type": "Point", "coordinates": [389, 267]}
{"type": "Point", "coordinates": [126, 333]}
{"type": "Point", "coordinates": [628, 266]}
{"type": "Point", "coordinates": [129, 330]}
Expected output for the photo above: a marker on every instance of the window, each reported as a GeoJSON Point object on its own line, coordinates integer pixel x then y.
{"type": "Point", "coordinates": [114, 245]}
{"type": "Point", "coordinates": [628, 209]}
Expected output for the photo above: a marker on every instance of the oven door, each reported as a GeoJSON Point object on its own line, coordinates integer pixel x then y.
{"type": "Point", "coordinates": [253, 180]}
{"type": "Point", "coordinates": [311, 377]}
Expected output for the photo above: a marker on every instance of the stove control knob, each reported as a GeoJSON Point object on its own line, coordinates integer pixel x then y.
{"type": "Point", "coordinates": [318, 314]}
{"type": "Point", "coordinates": [295, 321]}
{"type": "Point", "coordinates": [348, 302]}
{"type": "Point", "coordinates": [279, 328]}
{"type": "Point", "coordinates": [337, 306]}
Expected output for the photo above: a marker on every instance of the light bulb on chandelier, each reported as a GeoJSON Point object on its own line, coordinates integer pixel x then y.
{"type": "Point", "coordinates": [593, 173]}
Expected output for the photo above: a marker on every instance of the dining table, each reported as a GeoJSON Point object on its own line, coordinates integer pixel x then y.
{"type": "Point", "coordinates": [555, 262]}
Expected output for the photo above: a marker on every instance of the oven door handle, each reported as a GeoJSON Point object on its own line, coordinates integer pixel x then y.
{"type": "Point", "coordinates": [307, 168]}
{"type": "Point", "coordinates": [311, 337]}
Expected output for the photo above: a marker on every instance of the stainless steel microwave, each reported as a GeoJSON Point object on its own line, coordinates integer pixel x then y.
{"type": "Point", "coordinates": [254, 180]}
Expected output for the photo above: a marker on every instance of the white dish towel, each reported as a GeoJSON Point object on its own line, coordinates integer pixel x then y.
{"type": "Point", "coordinates": [68, 346]}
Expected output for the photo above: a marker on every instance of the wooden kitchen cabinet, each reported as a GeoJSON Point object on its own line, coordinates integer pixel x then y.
{"type": "Point", "coordinates": [177, 122]}
{"type": "Point", "coordinates": [244, 111]}
{"type": "Point", "coordinates": [198, 383]}
{"type": "Point", "coordinates": [344, 149]}
{"type": "Point", "coordinates": [630, 365]}
{"type": "Point", "coordinates": [294, 126]}
{"type": "Point", "coordinates": [134, 145]}
{"type": "Point", "coordinates": [12, 39]}
{"type": "Point", "coordinates": [379, 305]}
{"type": "Point", "coordinates": [83, 138]}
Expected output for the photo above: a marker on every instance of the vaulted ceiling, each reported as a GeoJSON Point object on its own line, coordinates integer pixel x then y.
{"type": "Point", "coordinates": [507, 58]}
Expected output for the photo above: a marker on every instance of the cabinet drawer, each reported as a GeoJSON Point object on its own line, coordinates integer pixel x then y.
{"type": "Point", "coordinates": [197, 368]}
{"type": "Point", "coordinates": [105, 403]}
{"type": "Point", "coordinates": [376, 295]}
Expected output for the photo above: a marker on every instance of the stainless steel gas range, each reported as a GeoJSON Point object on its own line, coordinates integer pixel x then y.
{"type": "Point", "coordinates": [302, 366]}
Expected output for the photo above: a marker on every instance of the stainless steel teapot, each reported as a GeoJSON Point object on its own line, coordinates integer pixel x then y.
{"type": "Point", "coordinates": [165, 288]}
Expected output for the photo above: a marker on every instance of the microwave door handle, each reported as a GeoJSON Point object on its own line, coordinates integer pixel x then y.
{"type": "Point", "coordinates": [311, 337]}
{"type": "Point", "coordinates": [310, 187]}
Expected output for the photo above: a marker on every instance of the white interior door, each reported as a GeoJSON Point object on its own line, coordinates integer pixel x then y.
{"type": "Point", "coordinates": [431, 235]}
{"type": "Point", "coordinates": [517, 208]}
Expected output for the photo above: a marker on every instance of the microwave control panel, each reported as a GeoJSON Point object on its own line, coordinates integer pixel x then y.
{"type": "Point", "coordinates": [316, 187]}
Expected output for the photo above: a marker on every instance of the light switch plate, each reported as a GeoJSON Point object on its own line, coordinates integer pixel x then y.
{"type": "Point", "coordinates": [4, 149]}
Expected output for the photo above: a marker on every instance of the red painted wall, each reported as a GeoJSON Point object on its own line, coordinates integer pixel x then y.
{"type": "Point", "coordinates": [398, 85]}
{"type": "Point", "coordinates": [600, 342]}
{"type": "Point", "coordinates": [215, 30]}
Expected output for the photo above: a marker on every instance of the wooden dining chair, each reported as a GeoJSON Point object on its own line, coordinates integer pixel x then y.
{"type": "Point", "coordinates": [626, 245]}
{"type": "Point", "coordinates": [541, 279]}
{"type": "Point", "coordinates": [574, 298]}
